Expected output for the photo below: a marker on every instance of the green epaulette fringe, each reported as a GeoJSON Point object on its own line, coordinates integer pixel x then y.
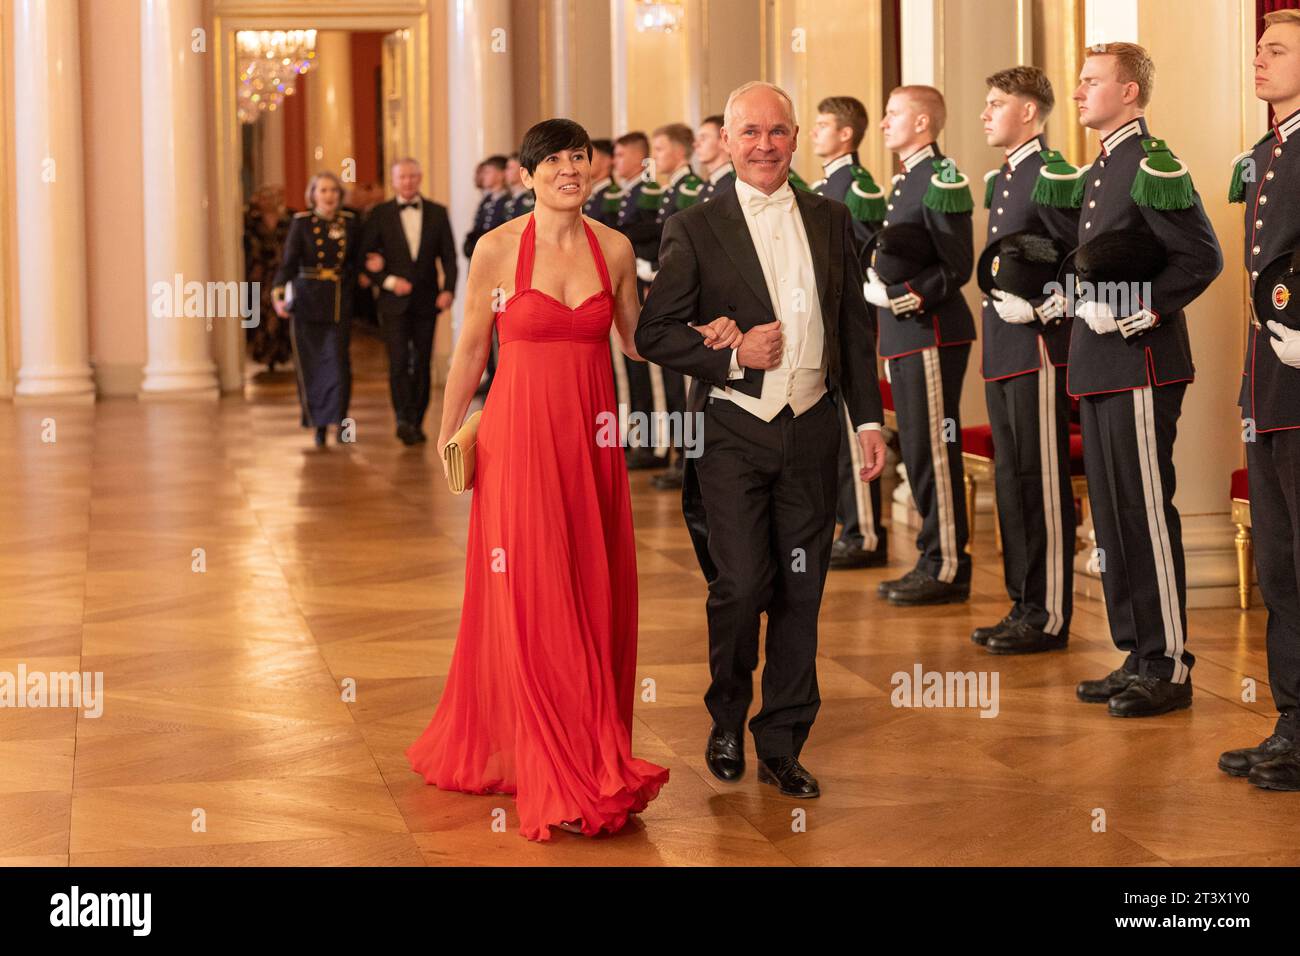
{"type": "Point", "coordinates": [688, 192]}
{"type": "Point", "coordinates": [990, 184]}
{"type": "Point", "coordinates": [1163, 181]}
{"type": "Point", "coordinates": [1057, 182]}
{"type": "Point", "coordinates": [949, 189]}
{"type": "Point", "coordinates": [866, 200]}
{"type": "Point", "coordinates": [612, 198]}
{"type": "Point", "coordinates": [650, 196]}
{"type": "Point", "coordinates": [797, 182]}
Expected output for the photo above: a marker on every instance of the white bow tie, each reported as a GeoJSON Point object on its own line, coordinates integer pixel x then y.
{"type": "Point", "coordinates": [783, 198]}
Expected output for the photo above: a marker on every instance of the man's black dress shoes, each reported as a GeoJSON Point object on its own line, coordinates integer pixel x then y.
{"type": "Point", "coordinates": [320, 436]}
{"type": "Point", "coordinates": [924, 589]}
{"type": "Point", "coordinates": [406, 433]}
{"type": "Point", "coordinates": [1241, 762]}
{"type": "Point", "coordinates": [845, 555]}
{"type": "Point", "coordinates": [1021, 638]}
{"type": "Point", "coordinates": [1280, 773]}
{"type": "Point", "coordinates": [981, 635]}
{"type": "Point", "coordinates": [1150, 697]}
{"type": "Point", "coordinates": [1101, 691]}
{"type": "Point", "coordinates": [789, 776]}
{"type": "Point", "coordinates": [725, 754]}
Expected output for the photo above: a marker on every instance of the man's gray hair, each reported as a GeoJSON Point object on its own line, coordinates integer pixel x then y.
{"type": "Point", "coordinates": [753, 84]}
{"type": "Point", "coordinates": [405, 161]}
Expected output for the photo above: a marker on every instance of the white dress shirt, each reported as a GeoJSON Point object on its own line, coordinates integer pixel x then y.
{"type": "Point", "coordinates": [412, 222]}
{"type": "Point", "coordinates": [777, 230]}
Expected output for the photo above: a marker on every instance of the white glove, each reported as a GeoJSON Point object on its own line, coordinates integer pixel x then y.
{"type": "Point", "coordinates": [908, 302]}
{"type": "Point", "coordinates": [875, 291]}
{"type": "Point", "coordinates": [1287, 343]}
{"type": "Point", "coordinates": [1098, 315]}
{"type": "Point", "coordinates": [1012, 308]}
{"type": "Point", "coordinates": [1053, 308]}
{"type": "Point", "coordinates": [644, 271]}
{"type": "Point", "coordinates": [1140, 321]}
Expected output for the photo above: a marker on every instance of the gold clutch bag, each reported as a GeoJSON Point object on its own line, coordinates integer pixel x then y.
{"type": "Point", "coordinates": [458, 456]}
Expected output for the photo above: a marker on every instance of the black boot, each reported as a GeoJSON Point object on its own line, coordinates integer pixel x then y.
{"type": "Point", "coordinates": [1239, 763]}
{"type": "Point", "coordinates": [1280, 773]}
{"type": "Point", "coordinates": [924, 589]}
{"type": "Point", "coordinates": [1021, 638]}
{"type": "Point", "coordinates": [320, 436]}
{"type": "Point", "coordinates": [885, 587]}
{"type": "Point", "coordinates": [1101, 691]}
{"type": "Point", "coordinates": [1150, 697]}
{"type": "Point", "coordinates": [981, 635]}
{"type": "Point", "coordinates": [845, 555]}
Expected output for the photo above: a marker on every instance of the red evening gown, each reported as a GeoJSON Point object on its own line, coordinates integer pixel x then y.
{"type": "Point", "coordinates": [538, 700]}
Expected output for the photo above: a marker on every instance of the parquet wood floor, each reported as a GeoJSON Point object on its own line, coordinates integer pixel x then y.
{"type": "Point", "coordinates": [225, 737]}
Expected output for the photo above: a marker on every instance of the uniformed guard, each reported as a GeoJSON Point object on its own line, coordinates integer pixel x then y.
{"type": "Point", "coordinates": [1130, 362]}
{"type": "Point", "coordinates": [313, 288]}
{"type": "Point", "coordinates": [602, 204]}
{"type": "Point", "coordinates": [521, 200]}
{"type": "Point", "coordinates": [719, 174]}
{"type": "Point", "coordinates": [491, 208]}
{"type": "Point", "coordinates": [670, 147]}
{"type": "Point", "coordinates": [926, 330]}
{"type": "Point", "coordinates": [1033, 222]}
{"type": "Point", "coordinates": [638, 203]}
{"type": "Point", "coordinates": [837, 133]}
{"type": "Point", "coordinates": [1266, 179]}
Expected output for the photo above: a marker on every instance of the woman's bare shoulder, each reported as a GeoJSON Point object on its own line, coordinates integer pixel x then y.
{"type": "Point", "coordinates": [613, 243]}
{"type": "Point", "coordinates": [500, 245]}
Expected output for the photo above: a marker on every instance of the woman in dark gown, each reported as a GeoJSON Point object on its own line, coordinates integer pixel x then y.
{"type": "Point", "coordinates": [314, 290]}
{"type": "Point", "coordinates": [266, 228]}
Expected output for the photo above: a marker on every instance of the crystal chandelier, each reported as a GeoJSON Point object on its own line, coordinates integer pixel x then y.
{"type": "Point", "coordinates": [270, 62]}
{"type": "Point", "coordinates": [659, 16]}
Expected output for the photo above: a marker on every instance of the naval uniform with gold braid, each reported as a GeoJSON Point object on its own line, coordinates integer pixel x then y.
{"type": "Point", "coordinates": [320, 263]}
{"type": "Point", "coordinates": [1266, 179]}
{"type": "Point", "coordinates": [1029, 411]}
{"type": "Point", "coordinates": [857, 506]}
{"type": "Point", "coordinates": [1132, 393]}
{"type": "Point", "coordinates": [926, 351]}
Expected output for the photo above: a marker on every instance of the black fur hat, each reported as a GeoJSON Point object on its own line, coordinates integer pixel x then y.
{"type": "Point", "coordinates": [1023, 263]}
{"type": "Point", "coordinates": [1277, 291]}
{"type": "Point", "coordinates": [1130, 255]}
{"type": "Point", "coordinates": [898, 253]}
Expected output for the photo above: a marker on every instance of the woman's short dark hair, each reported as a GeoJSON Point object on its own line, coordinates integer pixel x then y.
{"type": "Point", "coordinates": [551, 136]}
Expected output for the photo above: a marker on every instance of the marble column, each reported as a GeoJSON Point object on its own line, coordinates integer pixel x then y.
{"type": "Point", "coordinates": [481, 111]}
{"type": "Point", "coordinates": [270, 159]}
{"type": "Point", "coordinates": [51, 211]}
{"type": "Point", "coordinates": [176, 205]}
{"type": "Point", "coordinates": [329, 108]}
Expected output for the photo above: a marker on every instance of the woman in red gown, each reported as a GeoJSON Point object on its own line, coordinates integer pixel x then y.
{"type": "Point", "coordinates": [538, 700]}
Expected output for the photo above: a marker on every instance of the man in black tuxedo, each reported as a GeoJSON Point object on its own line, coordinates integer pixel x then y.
{"type": "Point", "coordinates": [760, 499]}
{"type": "Point", "coordinates": [405, 239]}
